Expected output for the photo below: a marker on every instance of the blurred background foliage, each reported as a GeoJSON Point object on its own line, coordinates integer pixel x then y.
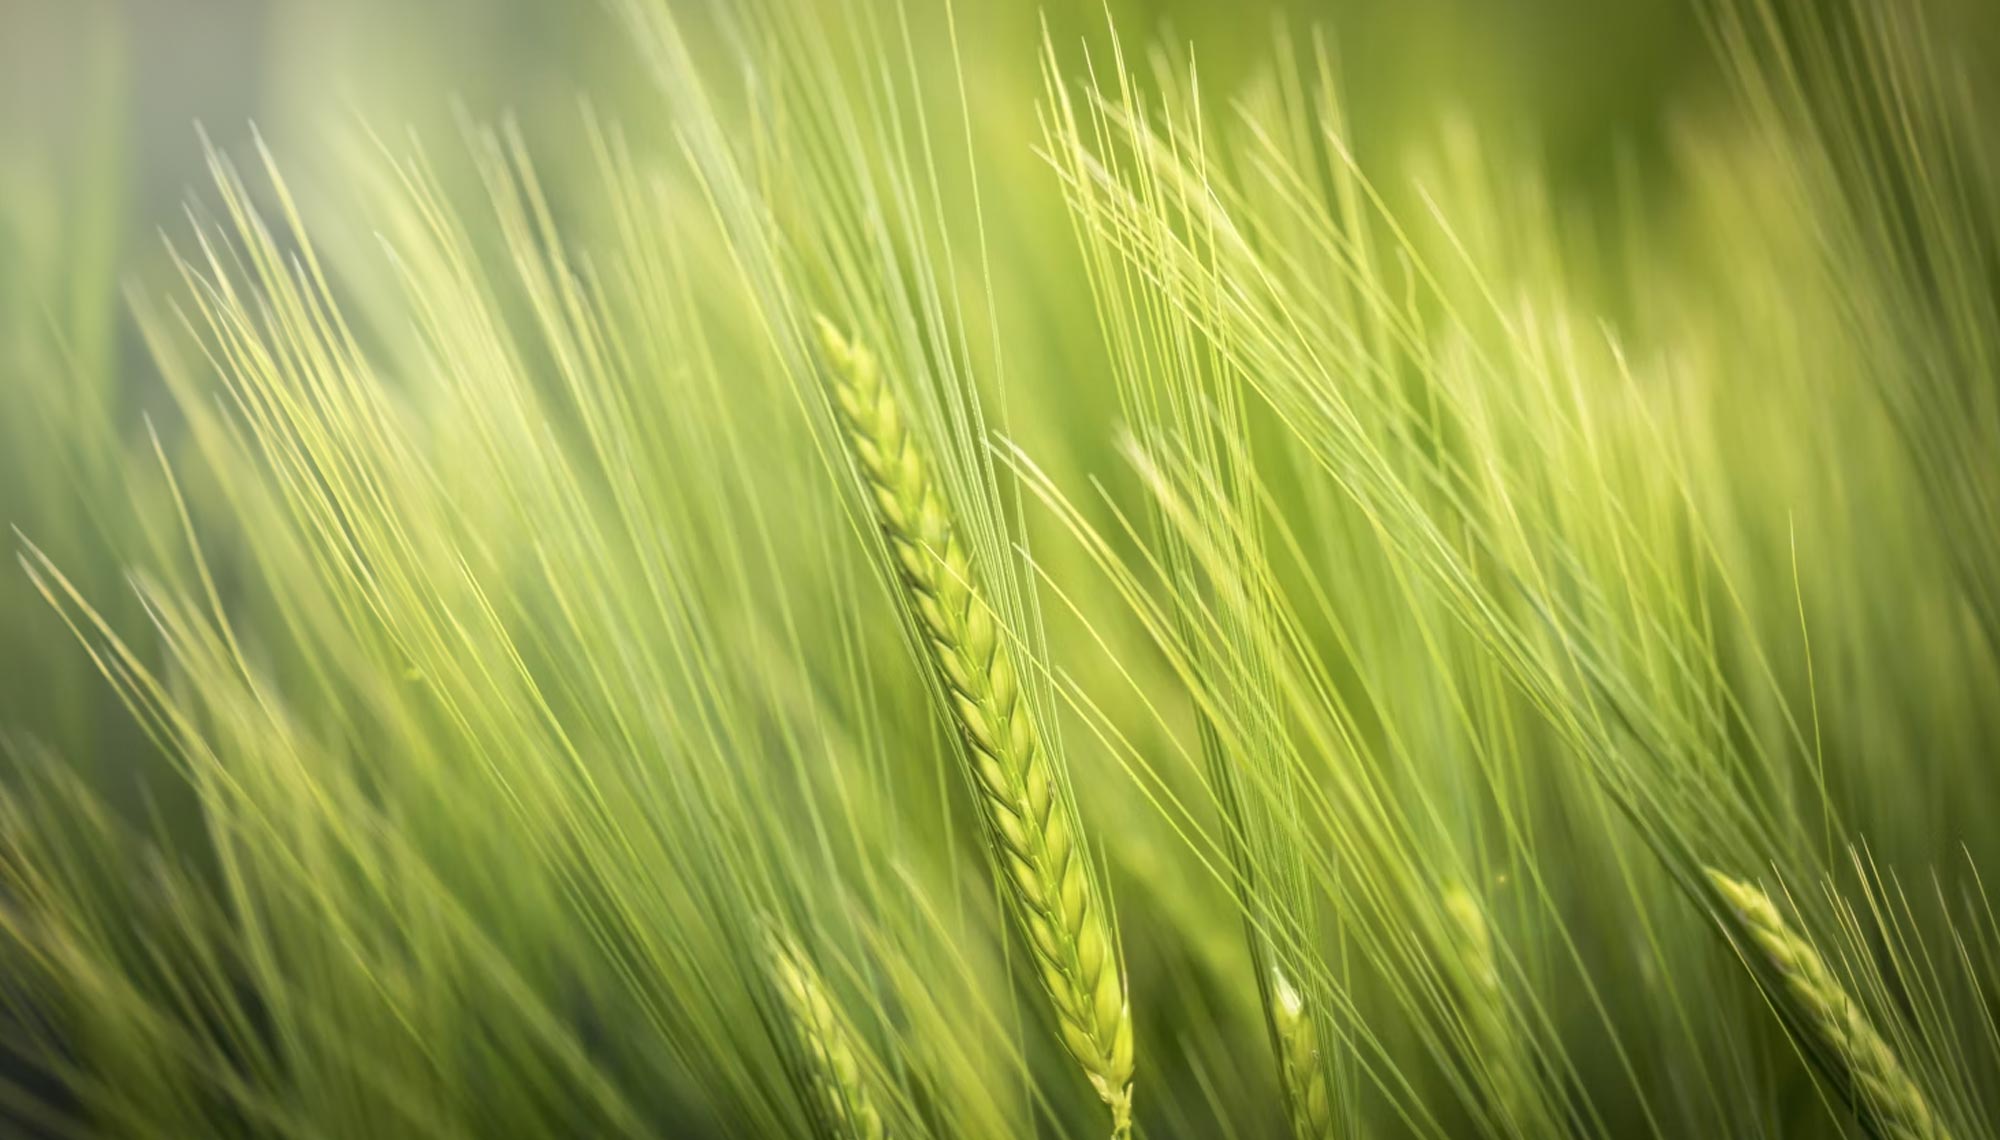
{"type": "Point", "coordinates": [103, 100]}
{"type": "Point", "coordinates": [105, 103]}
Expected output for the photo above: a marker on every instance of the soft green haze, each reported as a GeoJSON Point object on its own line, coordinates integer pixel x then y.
{"type": "Point", "coordinates": [865, 569]}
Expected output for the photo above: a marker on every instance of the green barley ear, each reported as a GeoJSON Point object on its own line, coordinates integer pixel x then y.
{"type": "Point", "coordinates": [1475, 940]}
{"type": "Point", "coordinates": [1475, 944]}
{"type": "Point", "coordinates": [827, 1039]}
{"type": "Point", "coordinates": [1306, 1093]}
{"type": "Point", "coordinates": [1030, 826]}
{"type": "Point", "coordinates": [1485, 1006]}
{"type": "Point", "coordinates": [1888, 1100]}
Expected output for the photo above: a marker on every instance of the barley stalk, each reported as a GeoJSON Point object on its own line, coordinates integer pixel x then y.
{"type": "Point", "coordinates": [827, 1039]}
{"type": "Point", "coordinates": [1031, 827]}
{"type": "Point", "coordinates": [1886, 1096]}
{"type": "Point", "coordinates": [1306, 1093]}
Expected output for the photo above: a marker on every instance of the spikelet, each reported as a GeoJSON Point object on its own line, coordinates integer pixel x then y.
{"type": "Point", "coordinates": [1307, 1096]}
{"type": "Point", "coordinates": [827, 1040]}
{"type": "Point", "coordinates": [1030, 826]}
{"type": "Point", "coordinates": [1882, 1091]}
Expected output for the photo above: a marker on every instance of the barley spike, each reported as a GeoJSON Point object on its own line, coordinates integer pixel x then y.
{"type": "Point", "coordinates": [1883, 1093]}
{"type": "Point", "coordinates": [827, 1039]}
{"type": "Point", "coordinates": [1490, 1022]}
{"type": "Point", "coordinates": [1030, 825]}
{"type": "Point", "coordinates": [1306, 1093]}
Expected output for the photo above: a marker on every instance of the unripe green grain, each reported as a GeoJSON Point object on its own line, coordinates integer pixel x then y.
{"type": "Point", "coordinates": [827, 1040]}
{"type": "Point", "coordinates": [1031, 827]}
{"type": "Point", "coordinates": [1308, 1099]}
{"type": "Point", "coordinates": [1891, 1103]}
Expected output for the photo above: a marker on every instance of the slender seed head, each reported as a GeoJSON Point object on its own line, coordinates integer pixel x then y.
{"type": "Point", "coordinates": [826, 1037]}
{"type": "Point", "coordinates": [1884, 1094]}
{"type": "Point", "coordinates": [1308, 1098]}
{"type": "Point", "coordinates": [1475, 938]}
{"type": "Point", "coordinates": [1031, 829]}
{"type": "Point", "coordinates": [1509, 1083]}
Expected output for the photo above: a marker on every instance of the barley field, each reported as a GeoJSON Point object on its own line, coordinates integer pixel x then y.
{"type": "Point", "coordinates": [852, 569]}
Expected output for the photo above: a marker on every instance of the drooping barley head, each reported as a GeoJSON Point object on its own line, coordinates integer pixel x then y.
{"type": "Point", "coordinates": [1508, 1081]}
{"type": "Point", "coordinates": [1882, 1090]}
{"type": "Point", "coordinates": [827, 1040]}
{"type": "Point", "coordinates": [1308, 1099]}
{"type": "Point", "coordinates": [1030, 825]}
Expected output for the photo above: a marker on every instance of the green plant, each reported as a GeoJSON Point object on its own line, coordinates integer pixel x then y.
{"type": "Point", "coordinates": [1894, 1105]}
{"type": "Point", "coordinates": [827, 1039]}
{"type": "Point", "coordinates": [1030, 824]}
{"type": "Point", "coordinates": [1305, 1072]}
{"type": "Point", "coordinates": [1265, 576]}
